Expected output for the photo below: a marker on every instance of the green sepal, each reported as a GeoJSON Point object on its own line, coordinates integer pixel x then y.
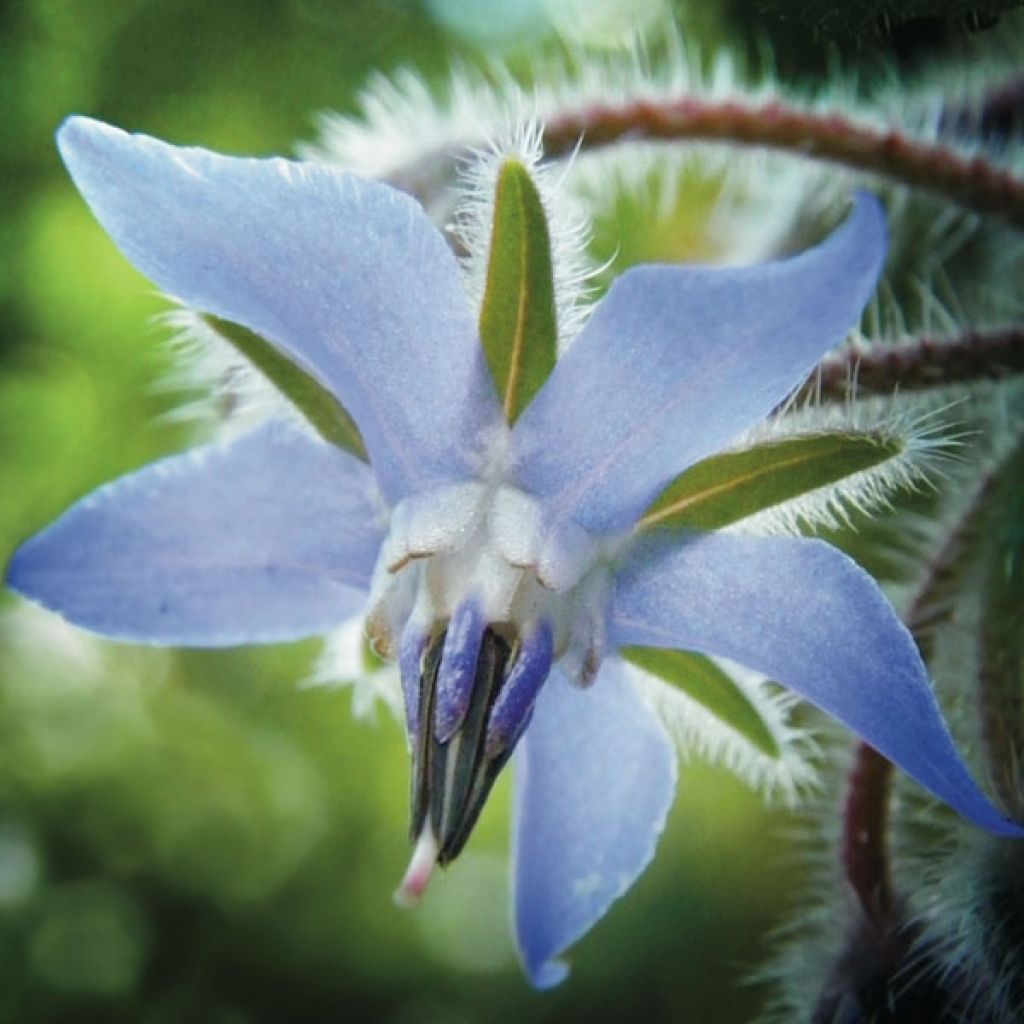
{"type": "Point", "coordinates": [703, 681]}
{"type": "Point", "coordinates": [517, 320]}
{"type": "Point", "coordinates": [725, 488]}
{"type": "Point", "coordinates": [324, 413]}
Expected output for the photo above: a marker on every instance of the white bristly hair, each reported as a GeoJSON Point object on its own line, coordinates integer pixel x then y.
{"type": "Point", "coordinates": [921, 429]}
{"type": "Point", "coordinates": [699, 732]}
{"type": "Point", "coordinates": [343, 662]}
{"type": "Point", "coordinates": [567, 225]}
{"type": "Point", "coordinates": [224, 394]}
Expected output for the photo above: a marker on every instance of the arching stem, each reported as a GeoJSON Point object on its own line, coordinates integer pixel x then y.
{"type": "Point", "coordinates": [919, 363]}
{"type": "Point", "coordinates": [972, 182]}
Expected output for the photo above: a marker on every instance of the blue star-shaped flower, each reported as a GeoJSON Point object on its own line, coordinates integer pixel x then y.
{"type": "Point", "coordinates": [501, 565]}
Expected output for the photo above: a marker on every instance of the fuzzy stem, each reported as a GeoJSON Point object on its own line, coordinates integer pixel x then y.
{"type": "Point", "coordinates": [915, 364]}
{"type": "Point", "coordinates": [865, 848]}
{"type": "Point", "coordinates": [973, 182]}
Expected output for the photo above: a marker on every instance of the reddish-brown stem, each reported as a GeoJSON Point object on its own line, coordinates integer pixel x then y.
{"type": "Point", "coordinates": [914, 364]}
{"type": "Point", "coordinates": [972, 182]}
{"type": "Point", "coordinates": [865, 848]}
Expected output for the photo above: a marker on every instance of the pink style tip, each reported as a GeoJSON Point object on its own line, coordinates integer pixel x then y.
{"type": "Point", "coordinates": [419, 872]}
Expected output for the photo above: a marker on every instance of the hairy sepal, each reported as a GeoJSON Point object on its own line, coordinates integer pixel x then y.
{"type": "Point", "coordinates": [727, 715]}
{"type": "Point", "coordinates": [726, 488]}
{"type": "Point", "coordinates": [517, 318]}
{"type": "Point", "coordinates": [702, 680]}
{"type": "Point", "coordinates": [348, 660]}
{"type": "Point", "coordinates": [318, 406]}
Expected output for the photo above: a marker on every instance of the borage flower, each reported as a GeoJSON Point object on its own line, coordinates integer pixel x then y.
{"type": "Point", "coordinates": [521, 520]}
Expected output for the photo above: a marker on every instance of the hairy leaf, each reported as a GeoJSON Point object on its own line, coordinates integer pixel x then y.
{"type": "Point", "coordinates": [726, 488]}
{"type": "Point", "coordinates": [517, 321]}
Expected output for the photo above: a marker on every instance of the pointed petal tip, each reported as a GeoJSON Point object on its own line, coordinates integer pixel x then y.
{"type": "Point", "coordinates": [853, 658]}
{"type": "Point", "coordinates": [547, 974]}
{"type": "Point", "coordinates": [595, 779]}
{"type": "Point", "coordinates": [87, 147]}
{"type": "Point", "coordinates": [419, 872]}
{"type": "Point", "coordinates": [997, 824]}
{"type": "Point", "coordinates": [14, 571]}
{"type": "Point", "coordinates": [71, 126]}
{"type": "Point", "coordinates": [76, 122]}
{"type": "Point", "coordinates": [167, 208]}
{"type": "Point", "coordinates": [210, 548]}
{"type": "Point", "coordinates": [21, 575]}
{"type": "Point", "coordinates": [76, 130]}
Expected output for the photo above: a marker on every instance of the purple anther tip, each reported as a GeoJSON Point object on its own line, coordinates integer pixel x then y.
{"type": "Point", "coordinates": [457, 674]}
{"type": "Point", "coordinates": [514, 707]}
{"type": "Point", "coordinates": [410, 658]}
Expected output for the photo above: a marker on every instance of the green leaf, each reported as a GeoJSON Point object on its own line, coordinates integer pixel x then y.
{"type": "Point", "coordinates": [517, 320]}
{"type": "Point", "coordinates": [726, 488]}
{"type": "Point", "coordinates": [321, 409]}
{"type": "Point", "coordinates": [703, 681]}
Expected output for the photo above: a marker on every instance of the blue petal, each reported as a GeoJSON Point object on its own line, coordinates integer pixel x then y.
{"type": "Point", "coordinates": [595, 777]}
{"type": "Point", "coordinates": [676, 361]}
{"type": "Point", "coordinates": [270, 538]}
{"type": "Point", "coordinates": [804, 614]}
{"type": "Point", "coordinates": [347, 278]}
